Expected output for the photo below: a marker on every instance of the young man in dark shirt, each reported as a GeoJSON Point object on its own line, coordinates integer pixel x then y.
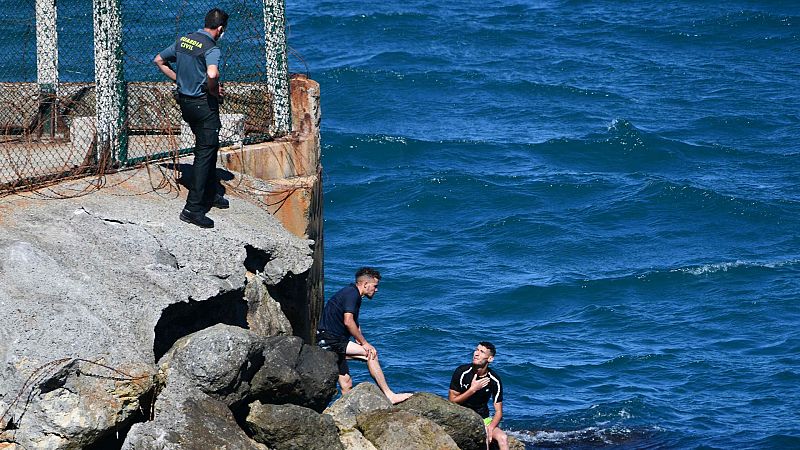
{"type": "Point", "coordinates": [473, 385]}
{"type": "Point", "coordinates": [340, 322]}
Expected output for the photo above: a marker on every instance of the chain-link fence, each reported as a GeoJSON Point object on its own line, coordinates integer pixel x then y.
{"type": "Point", "coordinates": [79, 92]}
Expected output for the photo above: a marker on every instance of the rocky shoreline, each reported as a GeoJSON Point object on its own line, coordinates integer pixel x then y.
{"type": "Point", "coordinates": [123, 328]}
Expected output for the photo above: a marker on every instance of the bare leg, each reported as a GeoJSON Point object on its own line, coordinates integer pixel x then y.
{"type": "Point", "coordinates": [500, 437]}
{"type": "Point", "coordinates": [356, 351]}
{"type": "Point", "coordinates": [346, 383]}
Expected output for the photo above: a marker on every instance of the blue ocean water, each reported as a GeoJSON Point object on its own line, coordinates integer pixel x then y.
{"type": "Point", "coordinates": [606, 190]}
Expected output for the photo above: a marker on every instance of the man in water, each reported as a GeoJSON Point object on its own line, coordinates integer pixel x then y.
{"type": "Point", "coordinates": [340, 322]}
{"type": "Point", "coordinates": [196, 57]}
{"type": "Point", "coordinates": [473, 385]}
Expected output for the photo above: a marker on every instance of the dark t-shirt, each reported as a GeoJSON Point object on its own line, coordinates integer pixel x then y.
{"type": "Point", "coordinates": [461, 380]}
{"type": "Point", "coordinates": [192, 54]}
{"type": "Point", "coordinates": [344, 301]}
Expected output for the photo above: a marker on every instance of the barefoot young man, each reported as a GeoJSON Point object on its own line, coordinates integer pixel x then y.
{"type": "Point", "coordinates": [340, 322]}
{"type": "Point", "coordinates": [473, 385]}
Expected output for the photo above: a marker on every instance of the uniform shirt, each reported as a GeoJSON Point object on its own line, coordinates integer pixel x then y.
{"type": "Point", "coordinates": [347, 300]}
{"type": "Point", "coordinates": [192, 61]}
{"type": "Point", "coordinates": [461, 380]}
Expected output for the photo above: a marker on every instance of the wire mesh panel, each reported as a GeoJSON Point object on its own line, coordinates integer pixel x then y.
{"type": "Point", "coordinates": [154, 122]}
{"type": "Point", "coordinates": [79, 91]}
{"type": "Point", "coordinates": [41, 90]}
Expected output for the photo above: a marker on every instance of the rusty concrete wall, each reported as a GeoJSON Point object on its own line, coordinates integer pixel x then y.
{"type": "Point", "coordinates": [291, 167]}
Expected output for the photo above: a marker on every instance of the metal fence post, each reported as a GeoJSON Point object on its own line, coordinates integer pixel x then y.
{"type": "Point", "coordinates": [277, 66]}
{"type": "Point", "coordinates": [109, 82]}
{"type": "Point", "coordinates": [47, 63]}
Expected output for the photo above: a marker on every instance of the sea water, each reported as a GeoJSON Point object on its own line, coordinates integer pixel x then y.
{"type": "Point", "coordinates": [606, 190]}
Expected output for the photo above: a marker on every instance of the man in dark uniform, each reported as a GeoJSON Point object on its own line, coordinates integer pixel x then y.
{"type": "Point", "coordinates": [473, 385]}
{"type": "Point", "coordinates": [196, 57]}
{"type": "Point", "coordinates": [340, 322]}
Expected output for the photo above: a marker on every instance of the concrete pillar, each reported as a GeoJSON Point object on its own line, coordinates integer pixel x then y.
{"type": "Point", "coordinates": [277, 70]}
{"type": "Point", "coordinates": [109, 82]}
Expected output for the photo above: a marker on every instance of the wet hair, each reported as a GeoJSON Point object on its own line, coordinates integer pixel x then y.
{"type": "Point", "coordinates": [367, 272]}
{"type": "Point", "coordinates": [215, 18]}
{"type": "Point", "coordinates": [488, 346]}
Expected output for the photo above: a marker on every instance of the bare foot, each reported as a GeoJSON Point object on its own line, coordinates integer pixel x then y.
{"type": "Point", "coordinates": [397, 398]}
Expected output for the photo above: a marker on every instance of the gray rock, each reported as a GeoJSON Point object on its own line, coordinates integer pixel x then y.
{"type": "Point", "coordinates": [354, 440]}
{"type": "Point", "coordinates": [318, 376]}
{"type": "Point", "coordinates": [93, 276]}
{"type": "Point", "coordinates": [264, 314]}
{"type": "Point", "coordinates": [75, 403]}
{"type": "Point", "coordinates": [276, 381]}
{"type": "Point", "coordinates": [292, 427]}
{"type": "Point", "coordinates": [186, 418]}
{"type": "Point", "coordinates": [514, 443]}
{"type": "Point", "coordinates": [392, 429]}
{"type": "Point", "coordinates": [464, 425]}
{"type": "Point", "coordinates": [219, 361]}
{"type": "Point", "coordinates": [235, 366]}
{"type": "Point", "coordinates": [363, 398]}
{"type": "Point", "coordinates": [294, 372]}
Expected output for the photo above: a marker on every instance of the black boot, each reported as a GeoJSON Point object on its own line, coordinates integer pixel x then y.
{"type": "Point", "coordinates": [196, 218]}
{"type": "Point", "coordinates": [220, 202]}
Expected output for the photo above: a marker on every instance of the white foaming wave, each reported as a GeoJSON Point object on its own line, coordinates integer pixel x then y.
{"type": "Point", "coordinates": [724, 267]}
{"type": "Point", "coordinates": [590, 434]}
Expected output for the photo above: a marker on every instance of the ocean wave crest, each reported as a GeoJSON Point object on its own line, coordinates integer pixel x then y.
{"type": "Point", "coordinates": [712, 268]}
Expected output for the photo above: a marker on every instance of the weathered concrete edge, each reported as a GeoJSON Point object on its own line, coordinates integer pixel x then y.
{"type": "Point", "coordinates": [293, 168]}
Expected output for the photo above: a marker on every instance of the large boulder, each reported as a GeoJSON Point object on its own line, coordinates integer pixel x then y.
{"type": "Point", "coordinates": [74, 403]}
{"type": "Point", "coordinates": [292, 427]}
{"type": "Point", "coordinates": [277, 380]}
{"type": "Point", "coordinates": [392, 429]}
{"type": "Point", "coordinates": [236, 366]}
{"type": "Point", "coordinates": [294, 372]}
{"type": "Point", "coordinates": [318, 376]}
{"type": "Point", "coordinates": [185, 418]}
{"type": "Point", "coordinates": [363, 398]}
{"type": "Point", "coordinates": [219, 361]}
{"type": "Point", "coordinates": [464, 425]}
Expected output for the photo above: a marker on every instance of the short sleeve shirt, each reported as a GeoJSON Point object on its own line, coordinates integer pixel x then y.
{"type": "Point", "coordinates": [191, 74]}
{"type": "Point", "coordinates": [347, 300]}
{"type": "Point", "coordinates": [462, 378]}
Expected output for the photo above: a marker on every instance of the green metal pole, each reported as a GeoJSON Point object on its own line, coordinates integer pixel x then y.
{"type": "Point", "coordinates": [277, 70]}
{"type": "Point", "coordinates": [47, 63]}
{"type": "Point", "coordinates": [111, 99]}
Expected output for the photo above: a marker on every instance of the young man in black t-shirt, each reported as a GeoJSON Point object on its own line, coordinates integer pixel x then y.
{"type": "Point", "coordinates": [473, 385]}
{"type": "Point", "coordinates": [340, 322]}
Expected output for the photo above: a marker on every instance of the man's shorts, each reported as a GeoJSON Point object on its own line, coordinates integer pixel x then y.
{"type": "Point", "coordinates": [338, 345]}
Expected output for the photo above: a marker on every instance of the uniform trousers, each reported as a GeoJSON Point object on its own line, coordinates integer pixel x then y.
{"type": "Point", "coordinates": [202, 115]}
